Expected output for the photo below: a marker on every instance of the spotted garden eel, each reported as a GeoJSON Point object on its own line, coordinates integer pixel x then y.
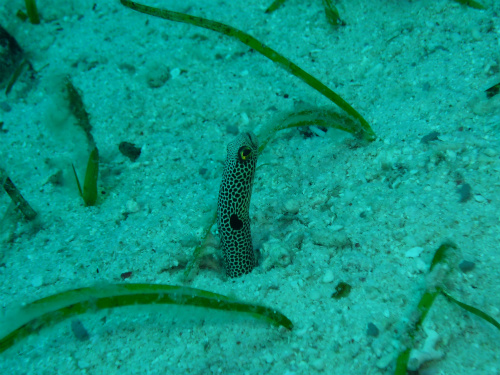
{"type": "Point", "coordinates": [235, 192]}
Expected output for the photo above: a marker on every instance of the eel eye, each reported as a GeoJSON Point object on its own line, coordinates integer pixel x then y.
{"type": "Point", "coordinates": [244, 152]}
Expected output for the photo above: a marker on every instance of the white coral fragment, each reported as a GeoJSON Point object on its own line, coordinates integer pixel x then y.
{"type": "Point", "coordinates": [428, 353]}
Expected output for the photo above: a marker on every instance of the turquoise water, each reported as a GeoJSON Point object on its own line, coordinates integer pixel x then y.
{"type": "Point", "coordinates": [326, 207]}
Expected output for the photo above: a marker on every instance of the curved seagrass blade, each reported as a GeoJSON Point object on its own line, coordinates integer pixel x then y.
{"type": "Point", "coordinates": [58, 307]}
{"type": "Point", "coordinates": [367, 132]}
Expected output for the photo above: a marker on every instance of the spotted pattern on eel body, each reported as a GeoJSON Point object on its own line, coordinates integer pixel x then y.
{"type": "Point", "coordinates": [235, 192]}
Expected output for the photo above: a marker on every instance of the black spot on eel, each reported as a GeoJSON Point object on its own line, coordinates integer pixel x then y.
{"type": "Point", "coordinates": [235, 192]}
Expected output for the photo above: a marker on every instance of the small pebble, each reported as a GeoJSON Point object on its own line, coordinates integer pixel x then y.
{"type": "Point", "coordinates": [317, 131]}
{"type": "Point", "coordinates": [466, 266]}
{"type": "Point", "coordinates": [479, 198]}
{"type": "Point", "coordinates": [465, 192]}
{"type": "Point", "coordinates": [490, 152]}
{"type": "Point", "coordinates": [37, 281]}
{"type": "Point", "coordinates": [157, 77]}
{"type": "Point", "coordinates": [83, 364]}
{"type": "Point", "coordinates": [414, 252]}
{"type": "Point", "coordinates": [385, 361]}
{"type": "Point", "coordinates": [130, 150]}
{"type": "Point", "coordinates": [174, 73]}
{"type": "Point", "coordinates": [232, 129]}
{"type": "Point", "coordinates": [318, 364]}
{"type": "Point", "coordinates": [244, 119]}
{"type": "Point", "coordinates": [342, 290]}
{"type": "Point", "coordinates": [79, 330]}
{"type": "Point", "coordinates": [372, 330]}
{"type": "Point", "coordinates": [56, 178]}
{"type": "Point", "coordinates": [451, 155]}
{"type": "Point", "coordinates": [126, 275]}
{"type": "Point", "coordinates": [421, 266]}
{"type": "Point", "coordinates": [291, 206]}
{"type": "Point", "coordinates": [328, 277]}
{"type": "Point", "coordinates": [132, 206]}
{"type": "Point", "coordinates": [432, 136]}
{"type": "Point", "coordinates": [269, 358]}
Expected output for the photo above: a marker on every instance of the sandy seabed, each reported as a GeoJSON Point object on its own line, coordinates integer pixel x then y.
{"type": "Point", "coordinates": [325, 207]}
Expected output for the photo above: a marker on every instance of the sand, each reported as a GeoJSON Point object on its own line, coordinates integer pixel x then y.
{"type": "Point", "coordinates": [326, 207]}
